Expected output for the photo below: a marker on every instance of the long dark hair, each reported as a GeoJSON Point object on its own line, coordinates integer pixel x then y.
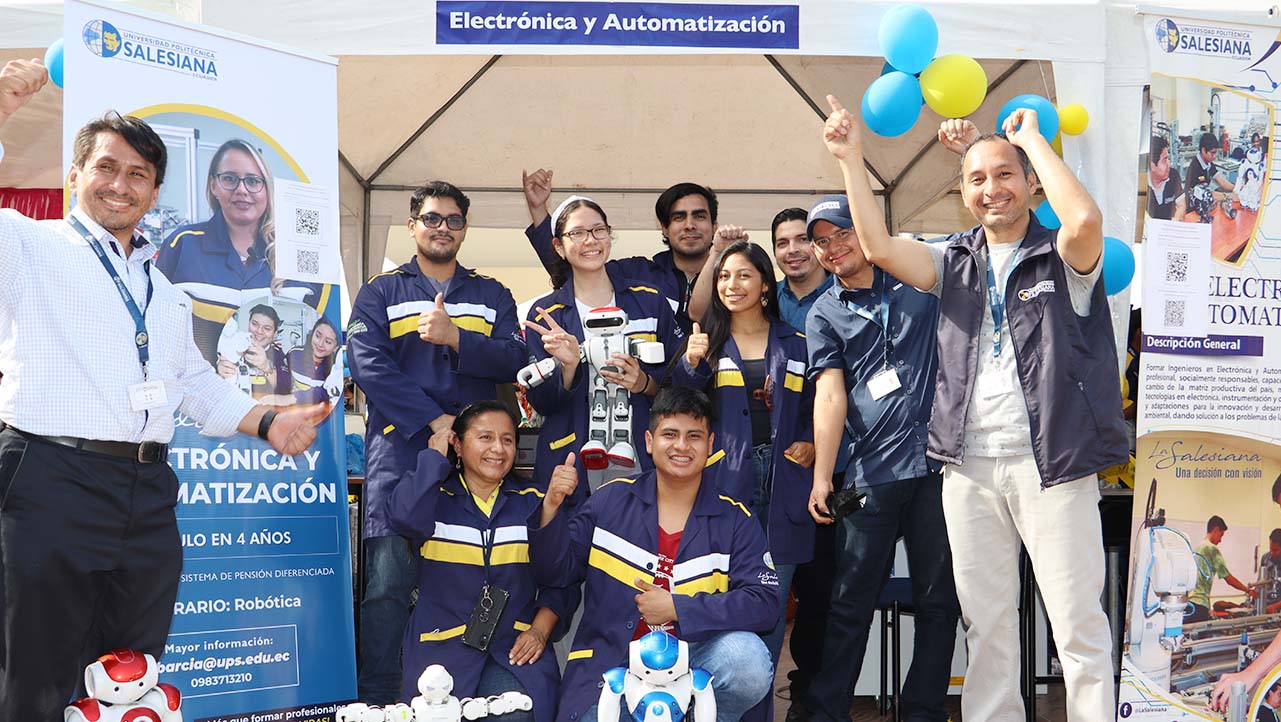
{"type": "Point", "coordinates": [716, 321]}
{"type": "Point", "coordinates": [560, 270]}
{"type": "Point", "coordinates": [309, 347]}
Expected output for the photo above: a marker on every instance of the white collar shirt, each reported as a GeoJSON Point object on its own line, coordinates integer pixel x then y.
{"type": "Point", "coordinates": [67, 347]}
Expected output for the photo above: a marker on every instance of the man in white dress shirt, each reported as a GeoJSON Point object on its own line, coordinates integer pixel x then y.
{"type": "Point", "coordinates": [97, 354]}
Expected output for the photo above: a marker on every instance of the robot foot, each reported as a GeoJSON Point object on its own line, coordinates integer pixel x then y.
{"type": "Point", "coordinates": [622, 455]}
{"type": "Point", "coordinates": [594, 456]}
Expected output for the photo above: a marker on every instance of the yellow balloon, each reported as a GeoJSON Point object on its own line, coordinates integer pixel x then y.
{"type": "Point", "coordinates": [1057, 144]}
{"type": "Point", "coordinates": [954, 85]}
{"type": "Point", "coordinates": [1073, 119]}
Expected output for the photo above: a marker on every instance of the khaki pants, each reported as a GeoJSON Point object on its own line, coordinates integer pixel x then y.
{"type": "Point", "coordinates": [992, 505]}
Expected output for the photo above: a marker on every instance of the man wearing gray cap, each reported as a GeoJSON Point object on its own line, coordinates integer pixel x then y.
{"type": "Point", "coordinates": [872, 355]}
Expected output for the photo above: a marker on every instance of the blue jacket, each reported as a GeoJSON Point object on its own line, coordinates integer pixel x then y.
{"type": "Point", "coordinates": [659, 272]}
{"type": "Point", "coordinates": [723, 578]}
{"type": "Point", "coordinates": [790, 529]}
{"type": "Point", "coordinates": [199, 260]}
{"type": "Point", "coordinates": [409, 382]}
{"type": "Point", "coordinates": [308, 377]}
{"type": "Point", "coordinates": [431, 507]}
{"type": "Point", "coordinates": [564, 410]}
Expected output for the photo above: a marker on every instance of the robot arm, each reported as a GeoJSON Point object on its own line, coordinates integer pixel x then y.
{"type": "Point", "coordinates": [704, 697]}
{"type": "Point", "coordinates": [611, 693]}
{"type": "Point", "coordinates": [536, 373]}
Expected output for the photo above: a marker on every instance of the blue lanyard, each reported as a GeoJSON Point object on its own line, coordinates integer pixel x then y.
{"type": "Point", "coordinates": [996, 297]}
{"type": "Point", "coordinates": [140, 338]}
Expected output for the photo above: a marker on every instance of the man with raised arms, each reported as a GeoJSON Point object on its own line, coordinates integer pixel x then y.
{"type": "Point", "coordinates": [1027, 402]}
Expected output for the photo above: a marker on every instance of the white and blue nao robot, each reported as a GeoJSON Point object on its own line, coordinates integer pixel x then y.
{"type": "Point", "coordinates": [609, 409]}
{"type": "Point", "coordinates": [658, 684]}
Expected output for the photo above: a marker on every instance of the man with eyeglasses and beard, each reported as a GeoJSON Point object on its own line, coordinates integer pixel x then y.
{"type": "Point", "coordinates": [686, 214]}
{"type": "Point", "coordinates": [424, 340]}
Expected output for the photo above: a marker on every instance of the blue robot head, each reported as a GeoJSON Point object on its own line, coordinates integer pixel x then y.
{"type": "Point", "coordinates": [659, 650]}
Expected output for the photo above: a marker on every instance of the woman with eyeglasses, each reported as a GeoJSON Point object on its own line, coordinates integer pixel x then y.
{"type": "Point", "coordinates": [752, 364]}
{"type": "Point", "coordinates": [311, 368]}
{"type": "Point", "coordinates": [582, 239]}
{"type": "Point", "coordinates": [465, 514]}
{"type": "Point", "coordinates": [226, 261]}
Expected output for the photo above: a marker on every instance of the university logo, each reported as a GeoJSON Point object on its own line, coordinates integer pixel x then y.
{"type": "Point", "coordinates": [1167, 35]}
{"type": "Point", "coordinates": [1205, 40]}
{"type": "Point", "coordinates": [107, 41]}
{"type": "Point", "coordinates": [102, 38]}
{"type": "Point", "coordinates": [1028, 294]}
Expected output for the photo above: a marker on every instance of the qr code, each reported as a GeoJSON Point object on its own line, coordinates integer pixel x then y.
{"type": "Point", "coordinates": [1174, 312]}
{"type": "Point", "coordinates": [308, 262]}
{"type": "Point", "coordinates": [1176, 267]}
{"type": "Point", "coordinates": [307, 221]}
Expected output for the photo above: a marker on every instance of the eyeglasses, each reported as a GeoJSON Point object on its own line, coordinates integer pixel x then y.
{"type": "Point", "coordinates": [433, 220]}
{"type": "Point", "coordinates": [230, 182]}
{"type": "Point", "coordinates": [578, 235]}
{"type": "Point", "coordinates": [822, 241]}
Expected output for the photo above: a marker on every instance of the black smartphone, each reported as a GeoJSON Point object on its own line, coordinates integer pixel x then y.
{"type": "Point", "coordinates": [484, 618]}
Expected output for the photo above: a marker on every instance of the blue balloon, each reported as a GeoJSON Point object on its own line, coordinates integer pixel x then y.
{"type": "Point", "coordinates": [886, 69]}
{"type": "Point", "coordinates": [1046, 215]}
{"type": "Point", "coordinates": [892, 104]}
{"type": "Point", "coordinates": [53, 61]}
{"type": "Point", "coordinates": [908, 37]}
{"type": "Point", "coordinates": [1118, 265]}
{"type": "Point", "coordinates": [1047, 116]}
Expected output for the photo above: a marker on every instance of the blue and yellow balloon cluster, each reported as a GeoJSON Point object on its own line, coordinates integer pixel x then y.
{"type": "Point", "coordinates": [952, 85]}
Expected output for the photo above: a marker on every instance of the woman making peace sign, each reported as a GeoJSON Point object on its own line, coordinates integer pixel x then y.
{"type": "Point", "coordinates": [582, 238]}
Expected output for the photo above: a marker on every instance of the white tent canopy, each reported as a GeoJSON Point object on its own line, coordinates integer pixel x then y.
{"type": "Point", "coordinates": [624, 123]}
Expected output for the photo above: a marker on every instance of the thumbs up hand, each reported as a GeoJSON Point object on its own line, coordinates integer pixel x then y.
{"type": "Point", "coordinates": [561, 486]}
{"type": "Point", "coordinates": [435, 326]}
{"type": "Point", "coordinates": [696, 346]}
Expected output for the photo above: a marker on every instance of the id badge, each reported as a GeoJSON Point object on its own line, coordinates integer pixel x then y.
{"type": "Point", "coordinates": [484, 618]}
{"type": "Point", "coordinates": [883, 383]}
{"type": "Point", "coordinates": [147, 395]}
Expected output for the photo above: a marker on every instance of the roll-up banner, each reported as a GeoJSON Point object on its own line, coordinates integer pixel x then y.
{"type": "Point", "coordinates": [247, 224]}
{"type": "Point", "coordinates": [1204, 601]}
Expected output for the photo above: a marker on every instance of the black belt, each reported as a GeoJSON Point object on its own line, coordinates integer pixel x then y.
{"type": "Point", "coordinates": [148, 452]}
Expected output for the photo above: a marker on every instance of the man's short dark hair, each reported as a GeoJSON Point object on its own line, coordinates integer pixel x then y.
{"type": "Point", "coordinates": [1208, 142]}
{"type": "Point", "coordinates": [263, 309]}
{"type": "Point", "coordinates": [438, 189]}
{"type": "Point", "coordinates": [136, 133]}
{"type": "Point", "coordinates": [675, 400]}
{"type": "Point", "coordinates": [1155, 148]}
{"type": "Point", "coordinates": [1024, 162]}
{"type": "Point", "coordinates": [663, 206]}
{"type": "Point", "coordinates": [1276, 489]}
{"type": "Point", "coordinates": [1215, 522]}
{"type": "Point", "coordinates": [1275, 537]}
{"type": "Point", "coordinates": [785, 215]}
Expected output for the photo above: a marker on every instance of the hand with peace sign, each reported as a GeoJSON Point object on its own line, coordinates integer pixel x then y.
{"type": "Point", "coordinates": [558, 343]}
{"type": "Point", "coordinates": [841, 132]}
{"type": "Point", "coordinates": [654, 603]}
{"type": "Point", "coordinates": [538, 189]}
{"type": "Point", "coordinates": [696, 347]}
{"type": "Point", "coordinates": [437, 327]}
{"type": "Point", "coordinates": [559, 488]}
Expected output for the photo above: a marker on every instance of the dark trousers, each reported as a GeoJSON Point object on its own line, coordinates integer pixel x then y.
{"type": "Point", "coordinates": [89, 562]}
{"type": "Point", "coordinates": [812, 586]}
{"type": "Point", "coordinates": [912, 509]}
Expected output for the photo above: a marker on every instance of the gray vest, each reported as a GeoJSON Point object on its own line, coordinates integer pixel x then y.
{"type": "Point", "coordinates": [1067, 364]}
